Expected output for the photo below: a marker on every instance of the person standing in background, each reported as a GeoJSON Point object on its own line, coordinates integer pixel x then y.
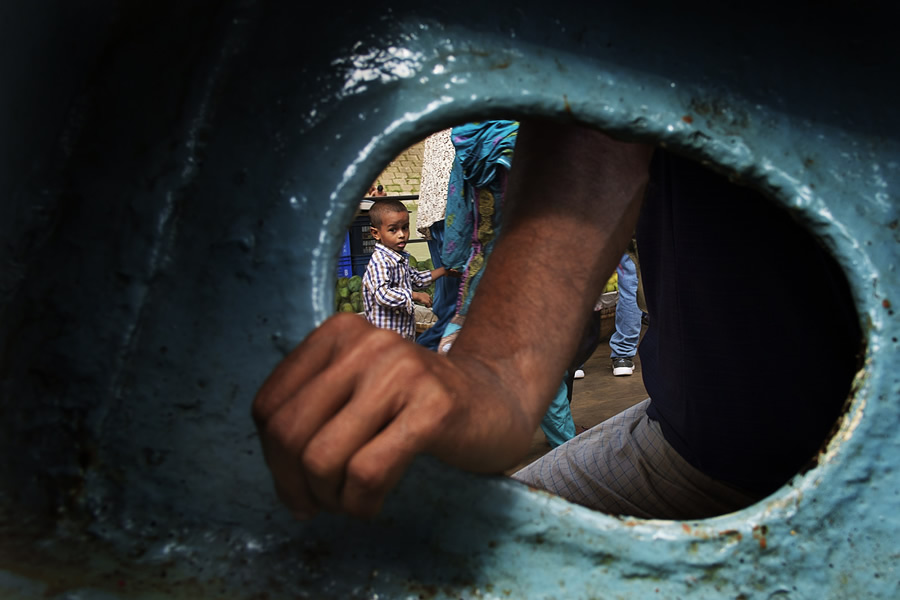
{"type": "Point", "coordinates": [624, 340]}
{"type": "Point", "coordinates": [437, 160]}
{"type": "Point", "coordinates": [388, 284]}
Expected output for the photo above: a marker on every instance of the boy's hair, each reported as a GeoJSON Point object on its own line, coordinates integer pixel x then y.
{"type": "Point", "coordinates": [382, 207]}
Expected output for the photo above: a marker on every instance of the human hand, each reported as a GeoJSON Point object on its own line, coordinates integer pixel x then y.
{"type": "Point", "coordinates": [422, 298]}
{"type": "Point", "coordinates": [443, 271]}
{"type": "Point", "coordinates": [344, 414]}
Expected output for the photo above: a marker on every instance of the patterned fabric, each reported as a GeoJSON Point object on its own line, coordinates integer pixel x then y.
{"type": "Point", "coordinates": [484, 153]}
{"type": "Point", "coordinates": [387, 291]}
{"type": "Point", "coordinates": [624, 466]}
{"type": "Point", "coordinates": [458, 222]}
{"type": "Point", "coordinates": [437, 160]}
{"type": "Point", "coordinates": [446, 290]}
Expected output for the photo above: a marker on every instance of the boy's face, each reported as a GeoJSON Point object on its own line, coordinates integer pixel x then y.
{"type": "Point", "coordinates": [394, 231]}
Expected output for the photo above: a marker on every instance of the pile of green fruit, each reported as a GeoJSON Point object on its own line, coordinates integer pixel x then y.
{"type": "Point", "coordinates": [613, 284]}
{"type": "Point", "coordinates": [348, 294]}
{"type": "Point", "coordinates": [425, 265]}
{"type": "Point", "coordinates": [348, 290]}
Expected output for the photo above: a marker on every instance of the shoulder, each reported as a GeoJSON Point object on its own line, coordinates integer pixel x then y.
{"type": "Point", "coordinates": [382, 264]}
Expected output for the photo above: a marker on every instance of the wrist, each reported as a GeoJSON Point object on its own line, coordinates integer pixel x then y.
{"type": "Point", "coordinates": [479, 387]}
{"type": "Point", "coordinates": [516, 375]}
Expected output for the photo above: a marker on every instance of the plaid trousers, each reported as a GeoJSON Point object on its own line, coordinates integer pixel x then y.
{"type": "Point", "coordinates": [624, 466]}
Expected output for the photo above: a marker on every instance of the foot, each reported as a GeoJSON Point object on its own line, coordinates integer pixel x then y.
{"type": "Point", "coordinates": [579, 374]}
{"type": "Point", "coordinates": [623, 366]}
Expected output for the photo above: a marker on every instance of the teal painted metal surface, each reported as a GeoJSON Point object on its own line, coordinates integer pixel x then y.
{"type": "Point", "coordinates": [180, 235]}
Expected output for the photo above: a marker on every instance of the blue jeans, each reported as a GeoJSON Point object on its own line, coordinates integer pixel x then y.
{"type": "Point", "coordinates": [446, 291]}
{"type": "Point", "coordinates": [624, 340]}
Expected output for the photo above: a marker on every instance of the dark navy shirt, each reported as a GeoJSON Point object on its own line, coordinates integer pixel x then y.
{"type": "Point", "coordinates": [753, 339]}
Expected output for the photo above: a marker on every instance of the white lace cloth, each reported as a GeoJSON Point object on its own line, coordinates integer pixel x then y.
{"type": "Point", "coordinates": [437, 160]}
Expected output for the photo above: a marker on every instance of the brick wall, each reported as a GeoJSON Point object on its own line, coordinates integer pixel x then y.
{"type": "Point", "coordinates": [404, 174]}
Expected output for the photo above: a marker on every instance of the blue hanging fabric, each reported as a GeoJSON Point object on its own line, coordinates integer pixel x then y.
{"type": "Point", "coordinates": [484, 153]}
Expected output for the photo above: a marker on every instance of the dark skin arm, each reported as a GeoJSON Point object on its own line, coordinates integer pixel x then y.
{"type": "Point", "coordinates": [422, 298]}
{"type": "Point", "coordinates": [338, 432]}
{"type": "Point", "coordinates": [443, 271]}
{"type": "Point", "coordinates": [425, 299]}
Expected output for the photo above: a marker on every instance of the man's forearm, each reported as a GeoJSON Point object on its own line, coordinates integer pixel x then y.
{"type": "Point", "coordinates": [572, 204]}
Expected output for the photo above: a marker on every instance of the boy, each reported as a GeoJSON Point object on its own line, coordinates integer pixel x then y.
{"type": "Point", "coordinates": [387, 285]}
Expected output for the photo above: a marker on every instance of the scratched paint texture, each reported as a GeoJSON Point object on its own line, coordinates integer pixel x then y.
{"type": "Point", "coordinates": [176, 178]}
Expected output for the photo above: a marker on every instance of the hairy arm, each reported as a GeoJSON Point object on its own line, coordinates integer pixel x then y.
{"type": "Point", "coordinates": [573, 197]}
{"type": "Point", "coordinates": [343, 415]}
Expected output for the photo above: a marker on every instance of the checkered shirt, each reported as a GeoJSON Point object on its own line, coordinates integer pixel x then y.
{"type": "Point", "coordinates": [387, 291]}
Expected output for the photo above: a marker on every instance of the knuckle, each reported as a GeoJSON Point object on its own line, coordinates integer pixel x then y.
{"type": "Point", "coordinates": [436, 416]}
{"type": "Point", "coordinates": [382, 337]}
{"type": "Point", "coordinates": [269, 428]}
{"type": "Point", "coordinates": [441, 409]}
{"type": "Point", "coordinates": [275, 435]}
{"type": "Point", "coordinates": [408, 363]}
{"type": "Point", "coordinates": [345, 321]}
{"type": "Point", "coordinates": [317, 461]}
{"type": "Point", "coordinates": [415, 368]}
{"type": "Point", "coordinates": [335, 325]}
{"type": "Point", "coordinates": [429, 429]}
{"type": "Point", "coordinates": [260, 410]}
{"type": "Point", "coordinates": [368, 480]}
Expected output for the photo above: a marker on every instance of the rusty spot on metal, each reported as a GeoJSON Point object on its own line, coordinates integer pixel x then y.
{"type": "Point", "coordinates": [722, 112]}
{"type": "Point", "coordinates": [567, 106]}
{"type": "Point", "coordinates": [687, 119]}
{"type": "Point", "coordinates": [503, 65]}
{"type": "Point", "coordinates": [759, 534]}
{"type": "Point", "coordinates": [886, 303]}
{"type": "Point", "coordinates": [424, 591]}
{"type": "Point", "coordinates": [701, 107]}
{"type": "Point", "coordinates": [686, 527]}
{"type": "Point", "coordinates": [732, 533]}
